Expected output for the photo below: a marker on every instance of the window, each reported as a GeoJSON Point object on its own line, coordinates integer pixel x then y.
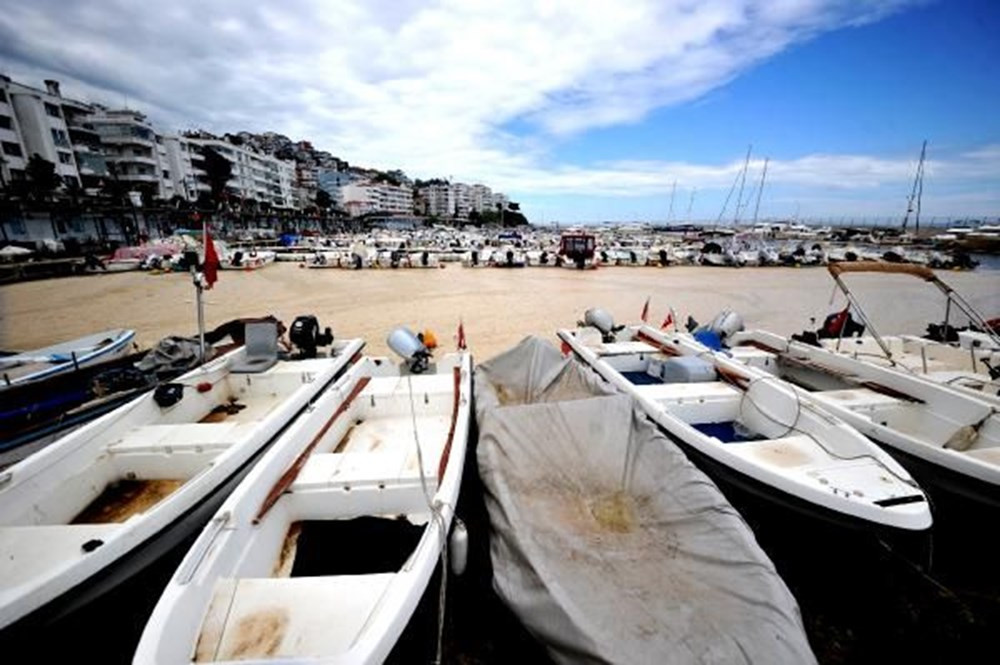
{"type": "Point", "coordinates": [16, 226]}
{"type": "Point", "coordinates": [3, 96]}
{"type": "Point", "coordinates": [76, 225]}
{"type": "Point", "coordinates": [71, 182]}
{"type": "Point", "coordinates": [6, 122]}
{"type": "Point", "coordinates": [166, 175]}
{"type": "Point", "coordinates": [59, 138]}
{"type": "Point", "coordinates": [52, 110]}
{"type": "Point", "coordinates": [12, 149]}
{"type": "Point", "coordinates": [65, 158]}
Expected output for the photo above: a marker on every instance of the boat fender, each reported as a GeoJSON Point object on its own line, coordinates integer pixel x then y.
{"type": "Point", "coordinates": [458, 545]}
{"type": "Point", "coordinates": [91, 545]}
{"type": "Point", "coordinates": [168, 394]}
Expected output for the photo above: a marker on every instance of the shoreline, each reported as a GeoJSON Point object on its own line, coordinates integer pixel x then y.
{"type": "Point", "coordinates": [498, 307]}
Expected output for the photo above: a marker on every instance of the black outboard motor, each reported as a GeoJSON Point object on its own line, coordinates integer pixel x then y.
{"type": "Point", "coordinates": [237, 259]}
{"type": "Point", "coordinates": [306, 336]}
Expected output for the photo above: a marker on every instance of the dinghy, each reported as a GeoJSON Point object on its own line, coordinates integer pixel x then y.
{"type": "Point", "coordinates": [752, 429]}
{"type": "Point", "coordinates": [65, 357]}
{"type": "Point", "coordinates": [324, 551]}
{"type": "Point", "coordinates": [86, 513]}
{"type": "Point", "coordinates": [606, 542]}
{"type": "Point", "coordinates": [947, 438]}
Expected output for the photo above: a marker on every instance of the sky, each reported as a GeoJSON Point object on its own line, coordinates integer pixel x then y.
{"type": "Point", "coordinates": [581, 111]}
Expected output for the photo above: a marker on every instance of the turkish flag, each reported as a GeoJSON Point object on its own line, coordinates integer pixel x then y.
{"type": "Point", "coordinates": [210, 268]}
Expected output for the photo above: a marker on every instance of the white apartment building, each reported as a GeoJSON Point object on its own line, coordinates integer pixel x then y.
{"type": "Point", "coordinates": [254, 176]}
{"type": "Point", "coordinates": [33, 122]}
{"type": "Point", "coordinates": [359, 198]}
{"type": "Point", "coordinates": [440, 200]}
{"type": "Point", "coordinates": [481, 198]}
{"type": "Point", "coordinates": [134, 152]}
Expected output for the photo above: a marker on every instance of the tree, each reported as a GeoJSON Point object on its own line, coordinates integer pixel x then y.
{"type": "Point", "coordinates": [42, 175]}
{"type": "Point", "coordinates": [323, 199]}
{"type": "Point", "coordinates": [218, 171]}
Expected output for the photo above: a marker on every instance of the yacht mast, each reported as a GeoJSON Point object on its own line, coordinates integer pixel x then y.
{"type": "Point", "coordinates": [760, 190]}
{"type": "Point", "coordinates": [743, 180]}
{"type": "Point", "coordinates": [917, 193]}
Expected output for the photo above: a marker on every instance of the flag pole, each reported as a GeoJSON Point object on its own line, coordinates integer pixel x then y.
{"type": "Point", "coordinates": [198, 291]}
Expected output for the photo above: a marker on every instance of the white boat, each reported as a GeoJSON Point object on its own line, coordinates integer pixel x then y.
{"type": "Point", "coordinates": [946, 437]}
{"type": "Point", "coordinates": [971, 364]}
{"type": "Point", "coordinates": [606, 542]}
{"type": "Point", "coordinates": [323, 552]}
{"type": "Point", "coordinates": [752, 429]}
{"type": "Point", "coordinates": [65, 357]}
{"type": "Point", "coordinates": [86, 513]}
{"type": "Point", "coordinates": [246, 259]}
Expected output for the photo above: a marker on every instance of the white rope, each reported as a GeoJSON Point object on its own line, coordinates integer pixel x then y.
{"type": "Point", "coordinates": [438, 517]}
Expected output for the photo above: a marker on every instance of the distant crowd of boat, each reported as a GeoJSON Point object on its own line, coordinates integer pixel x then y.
{"type": "Point", "coordinates": [787, 245]}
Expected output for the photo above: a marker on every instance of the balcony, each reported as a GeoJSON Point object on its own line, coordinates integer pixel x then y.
{"type": "Point", "coordinates": [138, 177]}
{"type": "Point", "coordinates": [134, 159]}
{"type": "Point", "coordinates": [121, 139]}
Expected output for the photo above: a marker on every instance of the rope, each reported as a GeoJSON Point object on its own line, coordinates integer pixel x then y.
{"type": "Point", "coordinates": [439, 520]}
{"type": "Point", "coordinates": [793, 427]}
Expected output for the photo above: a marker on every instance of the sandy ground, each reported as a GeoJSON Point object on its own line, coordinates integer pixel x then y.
{"type": "Point", "coordinates": [498, 307]}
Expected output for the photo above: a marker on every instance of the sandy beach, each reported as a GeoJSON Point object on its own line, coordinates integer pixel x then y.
{"type": "Point", "coordinates": [498, 307]}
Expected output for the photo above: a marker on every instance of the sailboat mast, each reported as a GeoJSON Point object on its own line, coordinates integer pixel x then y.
{"type": "Point", "coordinates": [743, 180]}
{"type": "Point", "coordinates": [918, 190]}
{"type": "Point", "coordinates": [691, 204]}
{"type": "Point", "coordinates": [673, 190]}
{"type": "Point", "coordinates": [760, 190]}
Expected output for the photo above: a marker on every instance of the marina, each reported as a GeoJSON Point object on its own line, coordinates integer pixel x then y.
{"type": "Point", "coordinates": [488, 310]}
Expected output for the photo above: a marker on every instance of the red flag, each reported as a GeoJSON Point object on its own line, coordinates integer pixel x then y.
{"type": "Point", "coordinates": [210, 268]}
{"type": "Point", "coordinates": [645, 311]}
{"type": "Point", "coordinates": [667, 321]}
{"type": "Point", "coordinates": [461, 336]}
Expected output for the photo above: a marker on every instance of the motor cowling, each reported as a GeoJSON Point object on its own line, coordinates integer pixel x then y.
{"type": "Point", "coordinates": [408, 346]}
{"type": "Point", "coordinates": [306, 336]}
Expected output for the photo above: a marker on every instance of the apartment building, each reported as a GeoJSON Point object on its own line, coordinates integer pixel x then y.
{"type": "Point", "coordinates": [439, 200]}
{"type": "Point", "coordinates": [254, 176]}
{"type": "Point", "coordinates": [32, 121]}
{"type": "Point", "coordinates": [134, 153]}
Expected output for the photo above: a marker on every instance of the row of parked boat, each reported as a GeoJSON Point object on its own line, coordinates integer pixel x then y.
{"type": "Point", "coordinates": [322, 487]}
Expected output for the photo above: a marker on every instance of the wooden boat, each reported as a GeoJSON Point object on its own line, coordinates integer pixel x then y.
{"type": "Point", "coordinates": [970, 363]}
{"type": "Point", "coordinates": [82, 516]}
{"type": "Point", "coordinates": [754, 431]}
{"type": "Point", "coordinates": [65, 357]}
{"type": "Point", "coordinates": [607, 543]}
{"type": "Point", "coordinates": [947, 438]}
{"type": "Point", "coordinates": [324, 551]}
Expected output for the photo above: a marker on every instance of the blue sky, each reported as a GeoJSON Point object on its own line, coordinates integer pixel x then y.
{"type": "Point", "coordinates": [581, 111]}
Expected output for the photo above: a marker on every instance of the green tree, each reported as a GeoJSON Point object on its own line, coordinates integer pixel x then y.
{"type": "Point", "coordinates": [42, 176]}
{"type": "Point", "coordinates": [323, 200]}
{"type": "Point", "coordinates": [218, 171]}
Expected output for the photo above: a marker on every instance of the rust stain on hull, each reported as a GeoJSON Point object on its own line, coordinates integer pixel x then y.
{"type": "Point", "coordinates": [256, 635]}
{"type": "Point", "coordinates": [122, 499]}
{"type": "Point", "coordinates": [286, 559]}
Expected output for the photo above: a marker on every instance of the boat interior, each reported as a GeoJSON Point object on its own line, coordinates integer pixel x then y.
{"type": "Point", "coordinates": [891, 407]}
{"type": "Point", "coordinates": [361, 483]}
{"type": "Point", "coordinates": [128, 466]}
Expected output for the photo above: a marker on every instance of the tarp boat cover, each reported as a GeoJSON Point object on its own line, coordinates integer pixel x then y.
{"type": "Point", "coordinates": [664, 570]}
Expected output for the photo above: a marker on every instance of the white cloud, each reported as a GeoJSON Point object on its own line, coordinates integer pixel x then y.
{"type": "Point", "coordinates": [429, 87]}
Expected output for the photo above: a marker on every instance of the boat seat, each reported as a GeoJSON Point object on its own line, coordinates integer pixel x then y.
{"type": "Point", "coordinates": [624, 348]}
{"type": "Point", "coordinates": [184, 437]}
{"type": "Point", "coordinates": [699, 402]}
{"type": "Point", "coordinates": [260, 351]}
{"type": "Point", "coordinates": [365, 469]}
{"type": "Point", "coordinates": [32, 550]}
{"type": "Point", "coordinates": [857, 399]}
{"type": "Point", "coordinates": [293, 616]}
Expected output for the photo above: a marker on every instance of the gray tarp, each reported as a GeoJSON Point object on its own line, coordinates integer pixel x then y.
{"type": "Point", "coordinates": [665, 571]}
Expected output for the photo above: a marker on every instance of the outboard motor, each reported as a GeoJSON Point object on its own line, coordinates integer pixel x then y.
{"type": "Point", "coordinates": [598, 318]}
{"type": "Point", "coordinates": [237, 259]}
{"type": "Point", "coordinates": [408, 346]}
{"type": "Point", "coordinates": [306, 336]}
{"type": "Point", "coordinates": [726, 324]}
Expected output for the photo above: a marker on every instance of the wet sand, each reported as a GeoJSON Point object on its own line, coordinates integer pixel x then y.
{"type": "Point", "coordinates": [498, 306]}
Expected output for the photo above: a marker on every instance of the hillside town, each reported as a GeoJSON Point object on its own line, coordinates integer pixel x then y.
{"type": "Point", "coordinates": [54, 148]}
